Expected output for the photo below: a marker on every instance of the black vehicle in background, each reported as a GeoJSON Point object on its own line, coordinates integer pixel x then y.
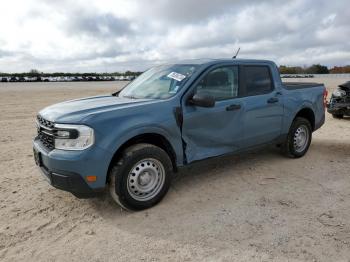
{"type": "Point", "coordinates": [13, 79]}
{"type": "Point", "coordinates": [339, 105]}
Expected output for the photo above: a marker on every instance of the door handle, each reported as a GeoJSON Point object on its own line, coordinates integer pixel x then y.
{"type": "Point", "coordinates": [233, 107]}
{"type": "Point", "coordinates": [272, 100]}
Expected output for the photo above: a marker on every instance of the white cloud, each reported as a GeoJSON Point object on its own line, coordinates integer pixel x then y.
{"type": "Point", "coordinates": [111, 35]}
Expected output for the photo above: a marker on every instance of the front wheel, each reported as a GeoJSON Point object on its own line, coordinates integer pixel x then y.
{"type": "Point", "coordinates": [141, 177]}
{"type": "Point", "coordinates": [299, 138]}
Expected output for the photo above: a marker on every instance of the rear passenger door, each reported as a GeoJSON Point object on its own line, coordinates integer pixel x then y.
{"type": "Point", "coordinates": [263, 106]}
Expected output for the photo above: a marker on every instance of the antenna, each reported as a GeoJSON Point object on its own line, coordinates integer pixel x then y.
{"type": "Point", "coordinates": [235, 56]}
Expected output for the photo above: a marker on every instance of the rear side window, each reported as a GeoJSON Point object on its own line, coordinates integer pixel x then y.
{"type": "Point", "coordinates": [221, 83]}
{"type": "Point", "coordinates": [258, 80]}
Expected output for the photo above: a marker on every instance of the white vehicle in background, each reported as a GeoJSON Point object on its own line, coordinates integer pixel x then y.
{"type": "Point", "coordinates": [123, 78]}
{"type": "Point", "coordinates": [68, 79]}
{"type": "Point", "coordinates": [60, 79]}
{"type": "Point", "coordinates": [130, 78]}
{"type": "Point", "coordinates": [53, 79]}
{"type": "Point", "coordinates": [31, 79]}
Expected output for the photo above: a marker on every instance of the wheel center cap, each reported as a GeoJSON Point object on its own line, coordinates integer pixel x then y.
{"type": "Point", "coordinates": [145, 178]}
{"type": "Point", "coordinates": [301, 139]}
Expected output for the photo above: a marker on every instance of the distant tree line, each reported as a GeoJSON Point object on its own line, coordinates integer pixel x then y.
{"type": "Point", "coordinates": [314, 69]}
{"type": "Point", "coordinates": [340, 70]}
{"type": "Point", "coordinates": [37, 73]}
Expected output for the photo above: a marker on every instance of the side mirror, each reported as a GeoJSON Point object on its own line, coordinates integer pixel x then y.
{"type": "Point", "coordinates": [202, 100]}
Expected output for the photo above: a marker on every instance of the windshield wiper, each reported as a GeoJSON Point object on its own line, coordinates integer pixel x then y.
{"type": "Point", "coordinates": [131, 97]}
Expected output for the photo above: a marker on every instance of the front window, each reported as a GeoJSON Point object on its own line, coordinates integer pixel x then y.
{"type": "Point", "coordinates": [159, 82]}
{"type": "Point", "coordinates": [221, 83]}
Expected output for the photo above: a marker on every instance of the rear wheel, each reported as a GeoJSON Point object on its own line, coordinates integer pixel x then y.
{"type": "Point", "coordinates": [338, 116]}
{"type": "Point", "coordinates": [298, 139]}
{"type": "Point", "coordinates": [141, 177]}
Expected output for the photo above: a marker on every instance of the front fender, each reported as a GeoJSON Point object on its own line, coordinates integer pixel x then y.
{"type": "Point", "coordinates": [173, 137]}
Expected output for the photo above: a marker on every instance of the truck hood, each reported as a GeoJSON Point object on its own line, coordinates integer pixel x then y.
{"type": "Point", "coordinates": [74, 111]}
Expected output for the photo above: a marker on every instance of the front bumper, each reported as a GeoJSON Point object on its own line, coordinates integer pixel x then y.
{"type": "Point", "coordinates": [70, 182]}
{"type": "Point", "coordinates": [67, 170]}
{"type": "Point", "coordinates": [338, 108]}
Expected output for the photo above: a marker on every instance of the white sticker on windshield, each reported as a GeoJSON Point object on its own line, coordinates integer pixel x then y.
{"type": "Point", "coordinates": [177, 76]}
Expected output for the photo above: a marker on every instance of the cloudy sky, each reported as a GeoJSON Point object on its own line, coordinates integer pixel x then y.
{"type": "Point", "coordinates": [119, 35]}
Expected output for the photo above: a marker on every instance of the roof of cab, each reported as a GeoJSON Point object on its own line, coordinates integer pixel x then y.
{"type": "Point", "coordinates": [210, 61]}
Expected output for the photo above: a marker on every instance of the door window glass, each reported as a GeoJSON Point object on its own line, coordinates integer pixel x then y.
{"type": "Point", "coordinates": [258, 80]}
{"type": "Point", "coordinates": [221, 83]}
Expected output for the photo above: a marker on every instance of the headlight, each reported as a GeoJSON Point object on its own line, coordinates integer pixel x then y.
{"type": "Point", "coordinates": [73, 137]}
{"type": "Point", "coordinates": [339, 93]}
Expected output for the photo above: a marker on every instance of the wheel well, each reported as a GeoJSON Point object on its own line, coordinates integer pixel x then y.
{"type": "Point", "coordinates": [154, 139]}
{"type": "Point", "coordinates": [309, 115]}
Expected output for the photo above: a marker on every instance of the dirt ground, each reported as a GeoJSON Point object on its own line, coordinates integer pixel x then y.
{"type": "Point", "coordinates": [254, 207]}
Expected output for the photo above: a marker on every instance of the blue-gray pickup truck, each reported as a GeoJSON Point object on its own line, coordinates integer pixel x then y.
{"type": "Point", "coordinates": [132, 141]}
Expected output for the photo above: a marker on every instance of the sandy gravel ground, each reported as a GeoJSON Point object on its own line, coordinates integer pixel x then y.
{"type": "Point", "coordinates": [254, 207]}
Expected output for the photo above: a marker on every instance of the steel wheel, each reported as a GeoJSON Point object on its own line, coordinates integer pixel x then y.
{"type": "Point", "coordinates": [146, 179]}
{"type": "Point", "coordinates": [301, 138]}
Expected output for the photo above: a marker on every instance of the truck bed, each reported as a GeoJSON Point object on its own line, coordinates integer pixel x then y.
{"type": "Point", "coordinates": [300, 85]}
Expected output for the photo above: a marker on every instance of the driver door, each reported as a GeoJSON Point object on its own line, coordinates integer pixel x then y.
{"type": "Point", "coordinates": [217, 130]}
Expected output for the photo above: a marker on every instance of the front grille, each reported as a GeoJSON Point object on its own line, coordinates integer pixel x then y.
{"type": "Point", "coordinates": [45, 133]}
{"type": "Point", "coordinates": [44, 122]}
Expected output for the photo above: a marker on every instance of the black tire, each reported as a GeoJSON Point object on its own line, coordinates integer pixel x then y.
{"type": "Point", "coordinates": [338, 116]}
{"type": "Point", "coordinates": [121, 188]}
{"type": "Point", "coordinates": [290, 146]}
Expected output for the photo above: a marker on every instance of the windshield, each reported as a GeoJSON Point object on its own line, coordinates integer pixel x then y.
{"type": "Point", "coordinates": [160, 82]}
